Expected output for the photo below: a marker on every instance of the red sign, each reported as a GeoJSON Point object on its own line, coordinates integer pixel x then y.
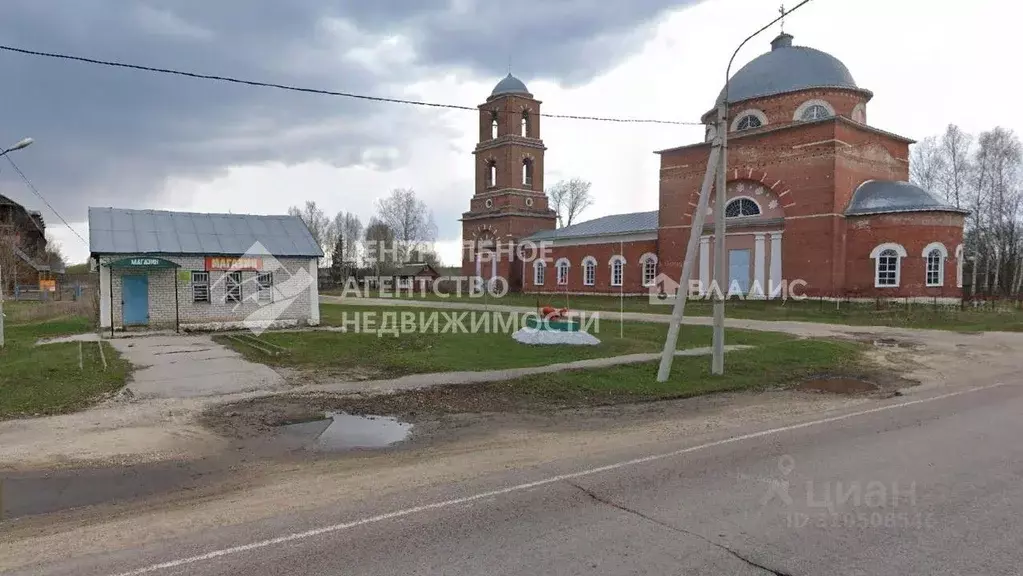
{"type": "Point", "coordinates": [231, 264]}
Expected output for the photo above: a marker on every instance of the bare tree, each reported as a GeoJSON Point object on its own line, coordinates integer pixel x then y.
{"type": "Point", "coordinates": [955, 146]}
{"type": "Point", "coordinates": [317, 222]}
{"type": "Point", "coordinates": [346, 233]}
{"type": "Point", "coordinates": [410, 220]}
{"type": "Point", "coordinates": [378, 253]}
{"type": "Point", "coordinates": [927, 165]}
{"type": "Point", "coordinates": [569, 198]}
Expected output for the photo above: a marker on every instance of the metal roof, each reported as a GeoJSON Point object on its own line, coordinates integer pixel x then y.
{"type": "Point", "coordinates": [787, 68]}
{"type": "Point", "coordinates": [632, 223]}
{"type": "Point", "coordinates": [886, 196]}
{"type": "Point", "coordinates": [120, 231]}
{"type": "Point", "coordinates": [510, 85]}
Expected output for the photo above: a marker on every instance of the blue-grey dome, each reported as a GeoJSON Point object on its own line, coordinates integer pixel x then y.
{"type": "Point", "coordinates": [884, 196]}
{"type": "Point", "coordinates": [510, 85]}
{"type": "Point", "coordinates": [787, 68]}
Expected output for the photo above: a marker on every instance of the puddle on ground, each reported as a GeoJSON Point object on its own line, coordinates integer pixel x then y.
{"type": "Point", "coordinates": [838, 386]}
{"type": "Point", "coordinates": [340, 431]}
{"type": "Point", "coordinates": [894, 343]}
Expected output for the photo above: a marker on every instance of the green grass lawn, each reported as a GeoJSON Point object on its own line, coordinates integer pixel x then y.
{"type": "Point", "coordinates": [47, 379]}
{"type": "Point", "coordinates": [411, 353]}
{"type": "Point", "coordinates": [773, 364]}
{"type": "Point", "coordinates": [898, 313]}
{"type": "Point", "coordinates": [770, 365]}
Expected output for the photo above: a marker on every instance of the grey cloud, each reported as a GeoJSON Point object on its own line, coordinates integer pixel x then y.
{"type": "Point", "coordinates": [112, 136]}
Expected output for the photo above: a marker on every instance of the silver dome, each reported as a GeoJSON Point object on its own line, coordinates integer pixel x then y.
{"type": "Point", "coordinates": [787, 68]}
{"type": "Point", "coordinates": [510, 85]}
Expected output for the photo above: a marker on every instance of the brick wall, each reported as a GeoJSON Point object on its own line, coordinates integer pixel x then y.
{"type": "Point", "coordinates": [913, 232]}
{"type": "Point", "coordinates": [632, 274]}
{"type": "Point", "coordinates": [217, 311]}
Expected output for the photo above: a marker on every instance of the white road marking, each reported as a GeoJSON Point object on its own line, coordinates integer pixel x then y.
{"type": "Point", "coordinates": [527, 486]}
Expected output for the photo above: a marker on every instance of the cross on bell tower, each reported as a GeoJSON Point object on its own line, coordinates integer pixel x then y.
{"type": "Point", "coordinates": [781, 10]}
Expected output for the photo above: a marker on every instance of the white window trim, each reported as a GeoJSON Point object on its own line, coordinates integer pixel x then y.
{"type": "Point", "coordinates": [539, 272]}
{"type": "Point", "coordinates": [941, 266]}
{"type": "Point", "coordinates": [861, 108]}
{"type": "Point", "coordinates": [645, 259]}
{"type": "Point", "coordinates": [748, 112]}
{"type": "Point", "coordinates": [959, 266]}
{"type": "Point", "coordinates": [876, 252]}
{"type": "Point", "coordinates": [562, 264]}
{"type": "Point", "coordinates": [798, 116]}
{"type": "Point", "coordinates": [760, 208]}
{"type": "Point", "coordinates": [620, 260]}
{"type": "Point", "coordinates": [589, 263]}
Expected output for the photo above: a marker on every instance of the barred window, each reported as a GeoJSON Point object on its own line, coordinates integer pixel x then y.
{"type": "Point", "coordinates": [200, 286]}
{"type": "Point", "coordinates": [233, 281]}
{"type": "Point", "coordinates": [265, 281]}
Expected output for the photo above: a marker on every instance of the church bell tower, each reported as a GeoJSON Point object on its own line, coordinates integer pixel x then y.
{"type": "Point", "coordinates": [509, 203]}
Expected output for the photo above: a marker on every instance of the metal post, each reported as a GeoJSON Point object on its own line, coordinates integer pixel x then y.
{"type": "Point", "coordinates": [110, 290]}
{"type": "Point", "coordinates": [720, 257]}
{"type": "Point", "coordinates": [177, 314]}
{"type": "Point", "coordinates": [699, 217]}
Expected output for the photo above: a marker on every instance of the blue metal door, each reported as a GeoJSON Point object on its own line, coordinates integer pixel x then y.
{"type": "Point", "coordinates": [738, 269]}
{"type": "Point", "coordinates": [135, 300]}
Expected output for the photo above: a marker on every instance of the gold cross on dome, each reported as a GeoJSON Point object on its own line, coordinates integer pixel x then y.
{"type": "Point", "coordinates": [781, 10]}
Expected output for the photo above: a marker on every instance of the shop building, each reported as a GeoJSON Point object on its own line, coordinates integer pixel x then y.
{"type": "Point", "coordinates": [190, 271]}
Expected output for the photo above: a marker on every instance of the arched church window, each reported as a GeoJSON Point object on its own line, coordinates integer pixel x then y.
{"type": "Point", "coordinates": [527, 172]}
{"type": "Point", "coordinates": [493, 125]}
{"type": "Point", "coordinates": [525, 123]}
{"type": "Point", "coordinates": [491, 174]}
{"type": "Point", "coordinates": [815, 112]}
{"type": "Point", "coordinates": [740, 207]}
{"type": "Point", "coordinates": [749, 122]}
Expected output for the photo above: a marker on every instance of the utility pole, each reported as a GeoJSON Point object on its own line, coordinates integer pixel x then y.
{"type": "Point", "coordinates": [717, 165]}
{"type": "Point", "coordinates": [699, 216]}
{"type": "Point", "coordinates": [1, 306]}
{"type": "Point", "coordinates": [717, 365]}
{"type": "Point", "coordinates": [23, 143]}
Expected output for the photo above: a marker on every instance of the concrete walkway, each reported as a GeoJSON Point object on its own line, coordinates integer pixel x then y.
{"type": "Point", "coordinates": [416, 381]}
{"type": "Point", "coordinates": [192, 366]}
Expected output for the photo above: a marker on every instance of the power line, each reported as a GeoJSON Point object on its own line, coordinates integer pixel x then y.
{"type": "Point", "coordinates": [48, 205]}
{"type": "Point", "coordinates": [261, 84]}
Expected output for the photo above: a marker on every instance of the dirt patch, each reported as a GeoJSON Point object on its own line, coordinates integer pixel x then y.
{"type": "Point", "coordinates": [838, 386]}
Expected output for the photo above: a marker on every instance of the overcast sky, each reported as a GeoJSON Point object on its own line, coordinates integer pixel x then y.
{"type": "Point", "coordinates": [114, 137]}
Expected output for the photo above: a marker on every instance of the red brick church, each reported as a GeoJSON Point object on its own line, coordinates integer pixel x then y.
{"type": "Point", "coordinates": [814, 192]}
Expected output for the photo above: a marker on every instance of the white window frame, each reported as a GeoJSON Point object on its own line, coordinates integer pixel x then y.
{"type": "Point", "coordinates": [233, 281]}
{"type": "Point", "coordinates": [875, 254]}
{"type": "Point", "coordinates": [201, 279]}
{"type": "Point", "coordinates": [959, 266]}
{"type": "Point", "coordinates": [589, 271]}
{"type": "Point", "coordinates": [561, 268]}
{"type": "Point", "coordinates": [749, 112]}
{"type": "Point", "coordinates": [648, 262]}
{"type": "Point", "coordinates": [539, 272]}
{"type": "Point", "coordinates": [942, 256]}
{"type": "Point", "coordinates": [617, 264]}
{"type": "Point", "coordinates": [760, 209]}
{"type": "Point", "coordinates": [264, 286]}
{"type": "Point", "coordinates": [798, 116]}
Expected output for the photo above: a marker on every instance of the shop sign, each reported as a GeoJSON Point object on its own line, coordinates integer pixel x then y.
{"type": "Point", "coordinates": [229, 263]}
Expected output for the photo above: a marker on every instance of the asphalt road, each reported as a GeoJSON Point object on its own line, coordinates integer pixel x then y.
{"type": "Point", "coordinates": [916, 485]}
